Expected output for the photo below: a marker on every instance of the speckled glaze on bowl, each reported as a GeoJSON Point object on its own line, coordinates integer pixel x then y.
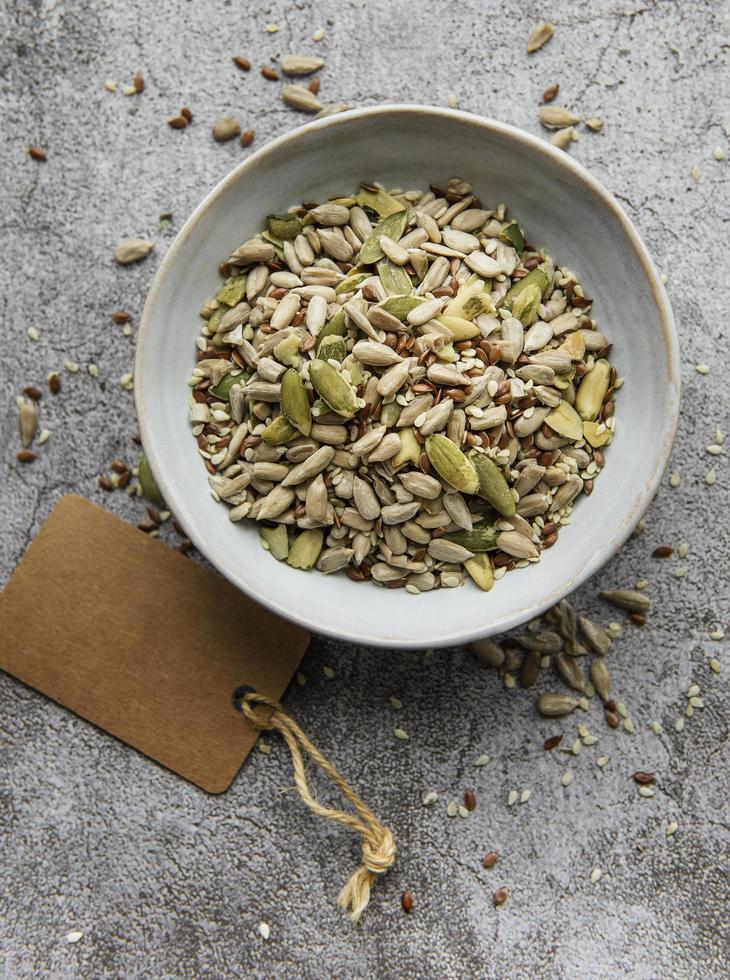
{"type": "Point", "coordinates": [563, 208]}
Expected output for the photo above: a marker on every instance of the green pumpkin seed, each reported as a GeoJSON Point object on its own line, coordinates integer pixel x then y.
{"type": "Point", "coordinates": [295, 402]}
{"type": "Point", "coordinates": [394, 278]}
{"type": "Point", "coordinates": [390, 414]}
{"type": "Point", "coordinates": [524, 307]}
{"type": "Point", "coordinates": [535, 278]}
{"type": "Point", "coordinates": [480, 569]}
{"type": "Point", "coordinates": [306, 548]}
{"type": "Point", "coordinates": [333, 389]}
{"type": "Point", "coordinates": [401, 306]}
{"type": "Point", "coordinates": [277, 540]}
{"type": "Point", "coordinates": [451, 464]}
{"type": "Point", "coordinates": [284, 226]}
{"type": "Point", "coordinates": [279, 432]}
{"type": "Point", "coordinates": [380, 201]}
{"type": "Point", "coordinates": [232, 291]}
{"type": "Point", "coordinates": [337, 326]}
{"type": "Point", "coordinates": [492, 485]}
{"type": "Point", "coordinates": [148, 484]}
{"type": "Point", "coordinates": [479, 539]}
{"type": "Point", "coordinates": [392, 227]}
{"type": "Point", "coordinates": [332, 348]}
{"type": "Point", "coordinates": [351, 282]}
{"type": "Point", "coordinates": [223, 389]}
{"type": "Point", "coordinates": [512, 235]}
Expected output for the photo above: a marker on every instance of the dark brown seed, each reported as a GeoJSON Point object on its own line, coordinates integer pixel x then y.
{"type": "Point", "coordinates": [530, 669]}
{"type": "Point", "coordinates": [550, 92]}
{"type": "Point", "coordinates": [121, 316]}
{"type": "Point", "coordinates": [552, 743]}
{"type": "Point", "coordinates": [105, 483]}
{"type": "Point", "coordinates": [613, 719]}
{"type": "Point", "coordinates": [185, 546]}
{"type": "Point", "coordinates": [644, 778]}
{"type": "Point", "coordinates": [32, 392]}
{"type": "Point", "coordinates": [118, 466]}
{"type": "Point", "coordinates": [25, 456]}
{"type": "Point", "coordinates": [470, 800]}
{"type": "Point", "coordinates": [138, 83]}
{"type": "Point", "coordinates": [37, 153]}
{"type": "Point", "coordinates": [243, 63]}
{"type": "Point", "coordinates": [499, 897]}
{"type": "Point", "coordinates": [124, 479]}
{"type": "Point", "coordinates": [247, 137]}
{"type": "Point", "coordinates": [489, 860]}
{"type": "Point", "coordinates": [54, 383]}
{"type": "Point", "coordinates": [154, 513]}
{"type": "Point", "coordinates": [406, 901]}
{"type": "Point", "coordinates": [271, 73]}
{"type": "Point", "coordinates": [177, 122]}
{"type": "Point", "coordinates": [663, 551]}
{"type": "Point", "coordinates": [637, 618]}
{"type": "Point", "coordinates": [314, 86]}
{"type": "Point", "coordinates": [147, 526]}
{"type": "Point", "coordinates": [186, 114]}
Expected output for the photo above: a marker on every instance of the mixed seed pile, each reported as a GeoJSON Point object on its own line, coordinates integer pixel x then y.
{"type": "Point", "coordinates": [398, 385]}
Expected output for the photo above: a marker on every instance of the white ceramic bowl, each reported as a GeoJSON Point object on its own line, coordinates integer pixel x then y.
{"type": "Point", "coordinates": [561, 207]}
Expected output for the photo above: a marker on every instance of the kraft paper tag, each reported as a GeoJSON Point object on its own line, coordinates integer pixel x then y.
{"type": "Point", "coordinates": [143, 642]}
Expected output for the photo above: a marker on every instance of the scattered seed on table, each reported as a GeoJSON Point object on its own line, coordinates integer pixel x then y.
{"type": "Point", "coordinates": [499, 897]}
{"type": "Point", "coordinates": [715, 665]}
{"type": "Point", "coordinates": [270, 73]}
{"type": "Point", "coordinates": [551, 92]}
{"type": "Point", "coordinates": [602, 761]}
{"type": "Point", "coordinates": [328, 672]}
{"type": "Point", "coordinates": [656, 727]}
{"type": "Point", "coordinates": [406, 901]}
{"type": "Point", "coordinates": [702, 369]}
{"type": "Point", "coordinates": [647, 792]}
{"type": "Point", "coordinates": [301, 678]}
{"type": "Point", "coordinates": [567, 778]}
{"type": "Point", "coordinates": [138, 83]}
{"type": "Point", "coordinates": [672, 827]}
{"type": "Point", "coordinates": [512, 797]}
{"type": "Point", "coordinates": [74, 936]}
{"type": "Point", "coordinates": [429, 797]}
{"type": "Point", "coordinates": [264, 930]}
{"type": "Point", "coordinates": [401, 734]}
{"type": "Point", "coordinates": [25, 456]}
{"type": "Point", "coordinates": [177, 122]}
{"type": "Point", "coordinates": [539, 36]}
{"type": "Point", "coordinates": [662, 551]}
{"type": "Point", "coordinates": [710, 478]}
{"type": "Point", "coordinates": [247, 137]}
{"type": "Point", "coordinates": [595, 875]}
{"type": "Point", "coordinates": [33, 333]}
{"type": "Point", "coordinates": [674, 480]}
{"type": "Point", "coordinates": [452, 808]}
{"type": "Point", "coordinates": [679, 725]}
{"type": "Point", "coordinates": [37, 153]}
{"type": "Point", "coordinates": [226, 128]}
{"type": "Point", "coordinates": [318, 34]}
{"type": "Point", "coordinates": [481, 760]}
{"type": "Point", "coordinates": [525, 795]}
{"type": "Point", "coordinates": [395, 703]}
{"type": "Point", "coordinates": [243, 63]}
{"type": "Point", "coordinates": [552, 743]}
{"type": "Point", "coordinates": [271, 28]}
{"type": "Point", "coordinates": [489, 860]}
{"type": "Point", "coordinates": [594, 124]}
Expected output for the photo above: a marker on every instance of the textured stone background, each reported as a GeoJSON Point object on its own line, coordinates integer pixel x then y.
{"type": "Point", "coordinates": [164, 881]}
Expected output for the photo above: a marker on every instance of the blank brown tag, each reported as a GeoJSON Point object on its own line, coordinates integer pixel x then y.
{"type": "Point", "coordinates": [142, 641]}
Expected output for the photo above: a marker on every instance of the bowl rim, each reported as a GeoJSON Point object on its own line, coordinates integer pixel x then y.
{"type": "Point", "coordinates": [558, 157]}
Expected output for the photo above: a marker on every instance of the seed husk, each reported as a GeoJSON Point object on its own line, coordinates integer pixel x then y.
{"type": "Point", "coordinates": [562, 138]}
{"type": "Point", "coordinates": [556, 117]}
{"type": "Point", "coordinates": [570, 671]}
{"type": "Point", "coordinates": [539, 36]}
{"type": "Point", "coordinates": [297, 64]}
{"type": "Point", "coordinates": [601, 679]}
{"type": "Point", "coordinates": [556, 705]}
{"type": "Point", "coordinates": [132, 250]}
{"type": "Point", "coordinates": [628, 599]}
{"type": "Point", "coordinates": [300, 98]}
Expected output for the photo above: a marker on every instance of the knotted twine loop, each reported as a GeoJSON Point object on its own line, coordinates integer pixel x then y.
{"type": "Point", "coordinates": [378, 844]}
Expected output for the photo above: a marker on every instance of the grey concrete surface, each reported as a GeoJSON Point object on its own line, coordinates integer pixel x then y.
{"type": "Point", "coordinates": [165, 881]}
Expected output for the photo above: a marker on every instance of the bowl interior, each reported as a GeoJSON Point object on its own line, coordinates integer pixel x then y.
{"type": "Point", "coordinates": [560, 207]}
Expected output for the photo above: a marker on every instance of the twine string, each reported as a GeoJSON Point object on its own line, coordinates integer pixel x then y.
{"type": "Point", "coordinates": [377, 842]}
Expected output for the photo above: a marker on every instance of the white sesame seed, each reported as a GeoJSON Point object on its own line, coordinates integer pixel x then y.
{"type": "Point", "coordinates": [646, 791]}
{"type": "Point", "coordinates": [679, 725]}
{"type": "Point", "coordinates": [715, 666]}
{"type": "Point", "coordinates": [301, 678]}
{"type": "Point", "coordinates": [481, 760]}
{"type": "Point", "coordinates": [682, 549]}
{"type": "Point", "coordinates": [602, 761]}
{"type": "Point", "coordinates": [272, 28]}
{"type": "Point", "coordinates": [71, 366]}
{"type": "Point", "coordinates": [696, 173]}
{"type": "Point", "coordinates": [44, 436]}
{"type": "Point", "coordinates": [590, 739]}
{"type": "Point", "coordinates": [672, 828]}
{"type": "Point", "coordinates": [452, 808]}
{"type": "Point", "coordinates": [328, 672]}
{"type": "Point", "coordinates": [656, 727]}
{"type": "Point", "coordinates": [621, 709]}
{"type": "Point", "coordinates": [629, 726]}
{"type": "Point", "coordinates": [693, 690]}
{"type": "Point", "coordinates": [714, 450]}
{"type": "Point", "coordinates": [463, 812]}
{"type": "Point", "coordinates": [567, 778]}
{"type": "Point", "coordinates": [318, 34]}
{"type": "Point", "coordinates": [718, 153]}
{"type": "Point", "coordinates": [401, 734]}
{"type": "Point", "coordinates": [74, 936]}
{"type": "Point", "coordinates": [429, 797]}
{"type": "Point", "coordinates": [680, 572]}
{"type": "Point", "coordinates": [93, 370]}
{"type": "Point", "coordinates": [512, 797]}
{"type": "Point", "coordinates": [110, 85]}
{"type": "Point", "coordinates": [674, 480]}
{"type": "Point", "coordinates": [702, 369]}
{"type": "Point", "coordinates": [264, 930]}
{"type": "Point", "coordinates": [453, 101]}
{"type": "Point", "coordinates": [525, 795]}
{"type": "Point", "coordinates": [595, 875]}
{"type": "Point", "coordinates": [395, 703]}
{"type": "Point", "coordinates": [509, 680]}
{"type": "Point", "coordinates": [717, 634]}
